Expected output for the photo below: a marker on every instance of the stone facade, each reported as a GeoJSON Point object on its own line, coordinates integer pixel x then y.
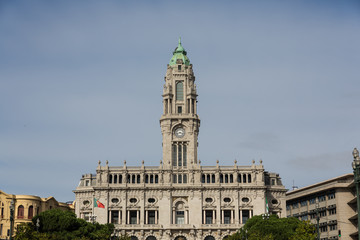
{"type": "Point", "coordinates": [26, 207]}
{"type": "Point", "coordinates": [335, 202]}
{"type": "Point", "coordinates": [180, 198]}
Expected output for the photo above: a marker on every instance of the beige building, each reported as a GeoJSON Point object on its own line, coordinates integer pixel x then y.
{"type": "Point", "coordinates": [335, 202]}
{"type": "Point", "coordinates": [25, 208]}
{"type": "Point", "coordinates": [179, 198]}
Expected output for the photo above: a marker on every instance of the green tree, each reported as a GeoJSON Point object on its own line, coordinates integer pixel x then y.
{"type": "Point", "coordinates": [62, 225]}
{"type": "Point", "coordinates": [275, 228]}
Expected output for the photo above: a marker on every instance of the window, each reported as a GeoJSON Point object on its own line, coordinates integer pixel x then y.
{"type": "Point", "coordinates": [20, 211]}
{"type": "Point", "coordinates": [133, 217]}
{"type": "Point", "coordinates": [332, 211]}
{"type": "Point", "coordinates": [179, 217]}
{"type": "Point", "coordinates": [312, 200]}
{"type": "Point", "coordinates": [227, 200]}
{"type": "Point", "coordinates": [179, 152]}
{"type": "Point", "coordinates": [151, 217]}
{"type": "Point", "coordinates": [303, 203]}
{"type": "Point", "coordinates": [295, 205]}
{"type": "Point", "coordinates": [86, 216]}
{"type": "Point", "coordinates": [208, 216]}
{"type": "Point", "coordinates": [115, 178]}
{"type": "Point", "coordinates": [151, 200]}
{"type": "Point", "coordinates": [133, 200]}
{"type": "Point", "coordinates": [322, 198]}
{"type": "Point", "coordinates": [114, 217]}
{"type": "Point", "coordinates": [322, 213]}
{"type": "Point", "coordinates": [179, 109]}
{"type": "Point", "coordinates": [179, 91]}
{"type": "Point", "coordinates": [115, 200]}
{"type": "Point", "coordinates": [31, 212]}
{"type": "Point", "coordinates": [332, 227]}
{"type": "Point", "coordinates": [249, 178]}
{"type": "Point", "coordinates": [227, 216]}
{"type": "Point", "coordinates": [331, 196]}
{"type": "Point", "coordinates": [179, 67]}
{"type": "Point", "coordinates": [323, 228]}
{"type": "Point", "coordinates": [304, 217]}
{"type": "Point", "coordinates": [110, 178]}
{"type": "Point", "coordinates": [174, 178]}
{"type": "Point", "coordinates": [245, 215]}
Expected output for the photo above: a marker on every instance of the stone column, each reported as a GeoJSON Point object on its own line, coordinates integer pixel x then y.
{"type": "Point", "coordinates": [146, 216]}
{"type": "Point", "coordinates": [186, 216]}
{"type": "Point", "coordinates": [173, 217]}
{"type": "Point", "coordinates": [156, 217]}
{"type": "Point", "coordinates": [138, 217]}
{"type": "Point", "coordinates": [241, 220]}
{"type": "Point", "coordinates": [213, 217]}
{"type": "Point", "coordinates": [128, 216]}
{"type": "Point", "coordinates": [222, 216]}
{"type": "Point", "coordinates": [204, 216]}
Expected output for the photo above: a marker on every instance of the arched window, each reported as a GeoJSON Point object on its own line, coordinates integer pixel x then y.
{"type": "Point", "coordinates": [213, 178]}
{"type": "Point", "coordinates": [31, 212]}
{"type": "Point", "coordinates": [151, 238]}
{"type": "Point", "coordinates": [244, 178]}
{"type": "Point", "coordinates": [226, 178]}
{"type": "Point", "coordinates": [221, 178]}
{"type": "Point", "coordinates": [249, 178]}
{"type": "Point", "coordinates": [207, 178]}
{"type": "Point", "coordinates": [115, 178]}
{"type": "Point", "coordinates": [110, 178]}
{"type": "Point", "coordinates": [156, 178]}
{"type": "Point", "coordinates": [146, 178]}
{"type": "Point", "coordinates": [120, 178]}
{"type": "Point", "coordinates": [20, 211]}
{"type": "Point", "coordinates": [179, 91]}
{"type": "Point", "coordinates": [138, 178]}
{"type": "Point", "coordinates": [151, 178]}
{"type": "Point", "coordinates": [203, 178]}
{"type": "Point", "coordinates": [231, 178]}
{"type": "Point", "coordinates": [239, 178]}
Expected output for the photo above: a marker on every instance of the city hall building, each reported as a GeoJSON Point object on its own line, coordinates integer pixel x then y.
{"type": "Point", "coordinates": [180, 198]}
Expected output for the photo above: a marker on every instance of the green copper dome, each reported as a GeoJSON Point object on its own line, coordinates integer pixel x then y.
{"type": "Point", "coordinates": [179, 53]}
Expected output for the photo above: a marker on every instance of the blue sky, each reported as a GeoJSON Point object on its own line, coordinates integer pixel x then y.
{"type": "Point", "coordinates": [81, 81]}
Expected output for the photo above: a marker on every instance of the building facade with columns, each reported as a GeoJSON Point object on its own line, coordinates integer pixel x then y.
{"type": "Point", "coordinates": [179, 199]}
{"type": "Point", "coordinates": [25, 208]}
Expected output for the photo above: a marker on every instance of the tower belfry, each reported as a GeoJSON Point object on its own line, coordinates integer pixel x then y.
{"type": "Point", "coordinates": [179, 121]}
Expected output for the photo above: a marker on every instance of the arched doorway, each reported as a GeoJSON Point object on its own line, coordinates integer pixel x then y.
{"type": "Point", "coordinates": [151, 238]}
{"type": "Point", "coordinates": [180, 238]}
{"type": "Point", "coordinates": [209, 238]}
{"type": "Point", "coordinates": [134, 238]}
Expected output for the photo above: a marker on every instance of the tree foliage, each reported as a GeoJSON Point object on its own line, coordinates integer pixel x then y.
{"type": "Point", "coordinates": [275, 228]}
{"type": "Point", "coordinates": [62, 225]}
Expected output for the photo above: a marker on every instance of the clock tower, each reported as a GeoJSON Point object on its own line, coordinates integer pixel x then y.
{"type": "Point", "coordinates": [179, 121]}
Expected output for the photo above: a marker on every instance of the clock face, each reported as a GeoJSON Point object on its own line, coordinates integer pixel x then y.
{"type": "Point", "coordinates": [180, 132]}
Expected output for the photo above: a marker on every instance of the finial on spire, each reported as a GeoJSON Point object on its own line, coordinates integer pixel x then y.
{"type": "Point", "coordinates": [180, 40]}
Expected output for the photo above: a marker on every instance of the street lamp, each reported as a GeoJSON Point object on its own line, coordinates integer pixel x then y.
{"type": "Point", "coordinates": [356, 167]}
{"type": "Point", "coordinates": [12, 209]}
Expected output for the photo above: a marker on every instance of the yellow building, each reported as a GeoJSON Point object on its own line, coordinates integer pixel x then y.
{"type": "Point", "coordinates": [25, 208]}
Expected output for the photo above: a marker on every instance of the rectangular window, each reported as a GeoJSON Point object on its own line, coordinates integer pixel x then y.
{"type": "Point", "coordinates": [322, 198]}
{"type": "Point", "coordinates": [174, 155]}
{"type": "Point", "coordinates": [227, 216]}
{"type": "Point", "coordinates": [245, 216]}
{"type": "Point", "coordinates": [179, 219]}
{"type": "Point", "coordinates": [174, 178]}
{"type": "Point", "coordinates": [208, 216]}
{"type": "Point", "coordinates": [312, 200]}
{"type": "Point", "coordinates": [151, 217]}
{"type": "Point", "coordinates": [184, 178]}
{"type": "Point", "coordinates": [133, 217]}
{"type": "Point", "coordinates": [179, 67]}
{"type": "Point", "coordinates": [179, 91]}
{"type": "Point", "coordinates": [303, 203]}
{"type": "Point", "coordinates": [333, 227]}
{"type": "Point", "coordinates": [87, 216]}
{"type": "Point", "coordinates": [114, 217]}
{"type": "Point", "coordinates": [179, 156]}
{"type": "Point", "coordinates": [331, 196]}
{"type": "Point", "coordinates": [332, 211]}
{"type": "Point", "coordinates": [184, 155]}
{"type": "Point", "coordinates": [179, 178]}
